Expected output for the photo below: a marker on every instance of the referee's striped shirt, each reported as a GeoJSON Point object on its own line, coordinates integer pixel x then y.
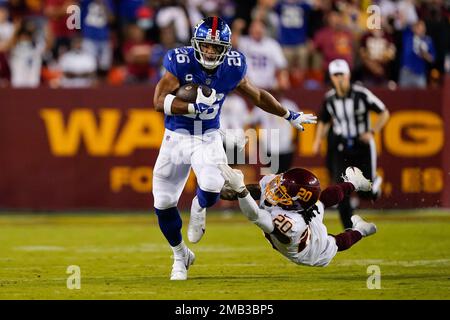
{"type": "Point", "coordinates": [350, 115]}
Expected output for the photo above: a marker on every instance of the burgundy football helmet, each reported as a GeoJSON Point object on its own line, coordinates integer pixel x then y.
{"type": "Point", "coordinates": [295, 189]}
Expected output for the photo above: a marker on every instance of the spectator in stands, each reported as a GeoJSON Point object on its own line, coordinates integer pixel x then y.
{"type": "Point", "coordinates": [354, 14]}
{"type": "Point", "coordinates": [227, 10]}
{"type": "Point", "coordinates": [334, 41]}
{"type": "Point", "coordinates": [95, 18]}
{"type": "Point", "coordinates": [21, 9]}
{"type": "Point", "coordinates": [167, 41]}
{"type": "Point", "coordinates": [264, 11]}
{"type": "Point", "coordinates": [145, 17]}
{"type": "Point", "coordinates": [198, 9]}
{"type": "Point", "coordinates": [137, 52]}
{"type": "Point", "coordinates": [267, 66]}
{"type": "Point", "coordinates": [317, 16]}
{"type": "Point", "coordinates": [388, 8]}
{"type": "Point", "coordinates": [127, 10]}
{"type": "Point", "coordinates": [417, 52]}
{"type": "Point", "coordinates": [293, 35]}
{"type": "Point", "coordinates": [56, 12]}
{"type": "Point", "coordinates": [242, 16]}
{"type": "Point", "coordinates": [406, 14]}
{"type": "Point", "coordinates": [376, 51]}
{"type": "Point", "coordinates": [297, 24]}
{"type": "Point", "coordinates": [436, 17]}
{"type": "Point", "coordinates": [26, 56]}
{"type": "Point", "coordinates": [6, 35]}
{"type": "Point", "coordinates": [30, 10]}
{"type": "Point", "coordinates": [173, 13]}
{"type": "Point", "coordinates": [78, 66]}
{"type": "Point", "coordinates": [5, 72]}
{"type": "Point", "coordinates": [314, 76]}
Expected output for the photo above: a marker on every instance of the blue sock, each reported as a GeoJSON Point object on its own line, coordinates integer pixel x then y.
{"type": "Point", "coordinates": [170, 224]}
{"type": "Point", "coordinates": [207, 199]}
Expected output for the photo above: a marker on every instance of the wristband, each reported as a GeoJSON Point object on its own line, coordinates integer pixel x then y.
{"type": "Point", "coordinates": [243, 193]}
{"type": "Point", "coordinates": [287, 115]}
{"type": "Point", "coordinates": [168, 104]}
{"type": "Point", "coordinates": [191, 108]}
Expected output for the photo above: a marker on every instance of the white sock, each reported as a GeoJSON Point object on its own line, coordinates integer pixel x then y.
{"type": "Point", "coordinates": [179, 250]}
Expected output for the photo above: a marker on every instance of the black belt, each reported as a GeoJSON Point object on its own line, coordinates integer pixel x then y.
{"type": "Point", "coordinates": [347, 143]}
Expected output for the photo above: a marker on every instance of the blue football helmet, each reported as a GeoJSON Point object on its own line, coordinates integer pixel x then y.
{"type": "Point", "coordinates": [213, 31]}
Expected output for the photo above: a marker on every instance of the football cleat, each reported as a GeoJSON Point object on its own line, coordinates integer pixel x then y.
{"type": "Point", "coordinates": [181, 265]}
{"type": "Point", "coordinates": [355, 177]}
{"type": "Point", "coordinates": [197, 222]}
{"type": "Point", "coordinates": [363, 227]}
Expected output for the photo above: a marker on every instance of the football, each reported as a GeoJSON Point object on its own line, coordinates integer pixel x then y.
{"type": "Point", "coordinates": [188, 92]}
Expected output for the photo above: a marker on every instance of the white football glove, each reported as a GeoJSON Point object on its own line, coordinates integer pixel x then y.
{"type": "Point", "coordinates": [234, 178]}
{"type": "Point", "coordinates": [299, 118]}
{"type": "Point", "coordinates": [203, 103]}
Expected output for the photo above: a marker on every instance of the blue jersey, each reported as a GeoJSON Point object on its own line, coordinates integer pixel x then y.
{"type": "Point", "coordinates": [182, 64]}
{"type": "Point", "coordinates": [293, 17]}
{"type": "Point", "coordinates": [411, 57]}
{"type": "Point", "coordinates": [94, 19]}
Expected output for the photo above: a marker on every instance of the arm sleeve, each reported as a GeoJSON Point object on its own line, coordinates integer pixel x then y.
{"type": "Point", "coordinates": [336, 193]}
{"type": "Point", "coordinates": [258, 216]}
{"type": "Point", "coordinates": [324, 115]}
{"type": "Point", "coordinates": [373, 102]}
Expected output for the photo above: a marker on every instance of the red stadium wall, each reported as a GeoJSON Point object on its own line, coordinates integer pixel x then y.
{"type": "Point", "coordinates": [446, 151]}
{"type": "Point", "coordinates": [95, 148]}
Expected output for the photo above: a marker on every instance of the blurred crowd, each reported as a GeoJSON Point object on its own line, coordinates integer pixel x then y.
{"type": "Point", "coordinates": [66, 43]}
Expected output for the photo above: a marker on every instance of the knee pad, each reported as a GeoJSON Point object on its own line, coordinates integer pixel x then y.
{"type": "Point", "coordinates": [207, 199]}
{"type": "Point", "coordinates": [210, 180]}
{"type": "Point", "coordinates": [164, 200]}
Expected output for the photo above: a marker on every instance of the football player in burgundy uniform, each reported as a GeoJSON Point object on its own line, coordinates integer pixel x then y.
{"type": "Point", "coordinates": [291, 209]}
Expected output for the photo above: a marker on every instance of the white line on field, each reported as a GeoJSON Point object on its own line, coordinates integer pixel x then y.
{"type": "Point", "coordinates": [125, 292]}
{"type": "Point", "coordinates": [145, 247]}
{"type": "Point", "coordinates": [383, 262]}
{"type": "Point", "coordinates": [39, 248]}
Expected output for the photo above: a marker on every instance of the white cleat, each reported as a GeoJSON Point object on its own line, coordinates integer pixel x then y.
{"type": "Point", "coordinates": [363, 227]}
{"type": "Point", "coordinates": [181, 265]}
{"type": "Point", "coordinates": [197, 222]}
{"type": "Point", "coordinates": [355, 177]}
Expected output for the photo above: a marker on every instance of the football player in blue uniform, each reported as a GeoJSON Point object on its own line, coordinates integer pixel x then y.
{"type": "Point", "coordinates": [191, 138]}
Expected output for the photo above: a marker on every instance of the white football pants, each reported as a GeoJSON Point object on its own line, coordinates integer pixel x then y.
{"type": "Point", "coordinates": [177, 154]}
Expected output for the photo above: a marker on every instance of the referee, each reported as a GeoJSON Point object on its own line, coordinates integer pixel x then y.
{"type": "Point", "coordinates": [350, 142]}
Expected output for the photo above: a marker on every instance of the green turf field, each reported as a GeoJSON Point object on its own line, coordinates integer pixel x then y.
{"type": "Point", "coordinates": [124, 256]}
